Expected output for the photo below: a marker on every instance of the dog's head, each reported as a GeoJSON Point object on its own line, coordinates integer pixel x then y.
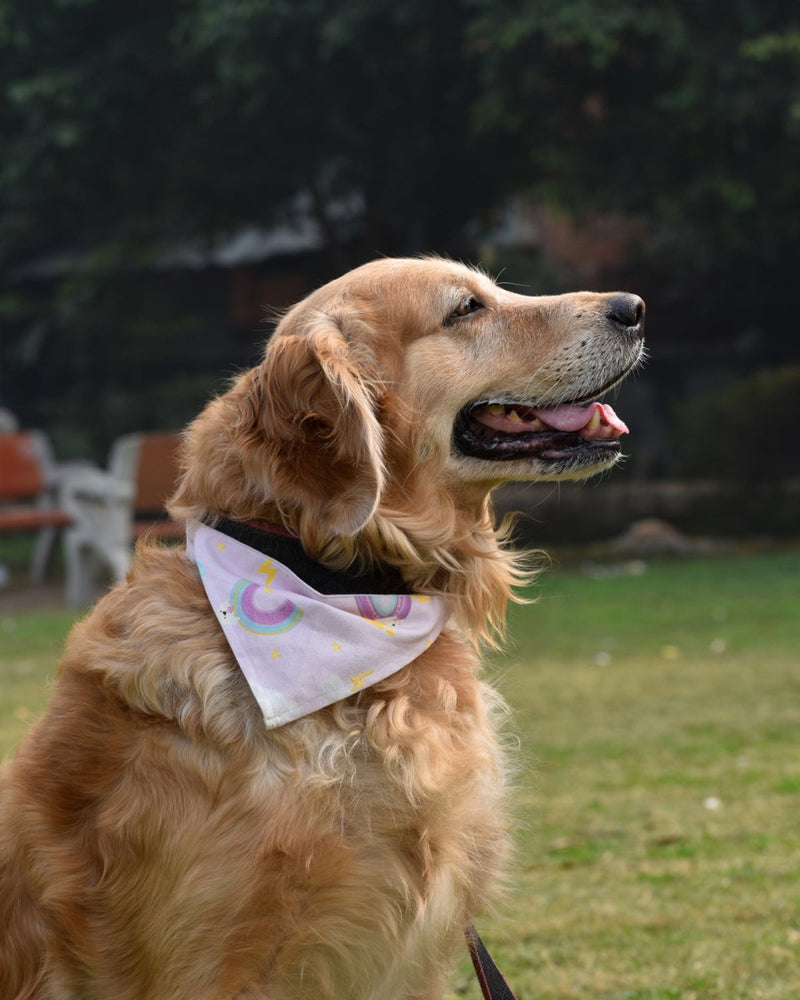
{"type": "Point", "coordinates": [404, 370]}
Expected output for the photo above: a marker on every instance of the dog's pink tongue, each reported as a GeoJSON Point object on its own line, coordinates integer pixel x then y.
{"type": "Point", "coordinates": [597, 420]}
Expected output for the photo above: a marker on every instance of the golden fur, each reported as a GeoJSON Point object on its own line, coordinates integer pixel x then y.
{"type": "Point", "coordinates": [156, 841]}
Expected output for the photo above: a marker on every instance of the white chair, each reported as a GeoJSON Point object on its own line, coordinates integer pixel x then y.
{"type": "Point", "coordinates": [113, 508]}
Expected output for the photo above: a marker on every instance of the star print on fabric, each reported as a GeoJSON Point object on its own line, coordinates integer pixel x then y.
{"type": "Point", "coordinates": [336, 647]}
{"type": "Point", "coordinates": [275, 654]}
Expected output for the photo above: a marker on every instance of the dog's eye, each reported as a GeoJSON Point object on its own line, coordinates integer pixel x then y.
{"type": "Point", "coordinates": [466, 307]}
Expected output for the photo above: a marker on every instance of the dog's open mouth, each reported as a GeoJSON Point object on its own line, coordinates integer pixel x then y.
{"type": "Point", "coordinates": [508, 431]}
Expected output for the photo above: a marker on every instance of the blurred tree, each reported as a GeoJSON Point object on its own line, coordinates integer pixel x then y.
{"type": "Point", "coordinates": [748, 418]}
{"type": "Point", "coordinates": [181, 117]}
{"type": "Point", "coordinates": [401, 126]}
{"type": "Point", "coordinates": [684, 114]}
{"type": "Point", "coordinates": [176, 119]}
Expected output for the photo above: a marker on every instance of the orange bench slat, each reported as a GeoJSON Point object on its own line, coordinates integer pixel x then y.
{"type": "Point", "coordinates": [31, 518]}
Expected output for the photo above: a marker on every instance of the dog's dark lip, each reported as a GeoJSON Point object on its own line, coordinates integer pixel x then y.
{"type": "Point", "coordinates": [550, 445]}
{"type": "Point", "coordinates": [473, 441]}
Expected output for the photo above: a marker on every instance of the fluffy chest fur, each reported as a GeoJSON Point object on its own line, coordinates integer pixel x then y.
{"type": "Point", "coordinates": [369, 829]}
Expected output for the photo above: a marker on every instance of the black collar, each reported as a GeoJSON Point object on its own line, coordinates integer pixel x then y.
{"type": "Point", "coordinates": [286, 548]}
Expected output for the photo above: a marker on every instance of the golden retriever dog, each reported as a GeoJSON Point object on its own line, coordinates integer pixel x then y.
{"type": "Point", "coordinates": [159, 840]}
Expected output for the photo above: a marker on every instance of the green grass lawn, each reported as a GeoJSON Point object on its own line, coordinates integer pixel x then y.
{"type": "Point", "coordinates": [30, 645]}
{"type": "Point", "coordinates": [658, 788]}
{"type": "Point", "coordinates": [659, 792]}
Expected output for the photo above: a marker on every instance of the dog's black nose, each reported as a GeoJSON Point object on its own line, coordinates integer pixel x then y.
{"type": "Point", "coordinates": [627, 310]}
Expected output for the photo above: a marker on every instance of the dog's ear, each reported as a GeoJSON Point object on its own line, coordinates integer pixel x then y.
{"type": "Point", "coordinates": [319, 402]}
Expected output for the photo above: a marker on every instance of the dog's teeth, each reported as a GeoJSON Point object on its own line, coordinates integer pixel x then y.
{"type": "Point", "coordinates": [496, 409]}
{"type": "Point", "coordinates": [595, 422]}
{"type": "Point", "coordinates": [513, 416]}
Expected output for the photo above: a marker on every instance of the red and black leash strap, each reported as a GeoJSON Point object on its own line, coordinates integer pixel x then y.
{"type": "Point", "coordinates": [493, 985]}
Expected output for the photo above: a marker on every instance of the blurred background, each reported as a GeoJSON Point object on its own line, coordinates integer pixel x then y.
{"type": "Point", "coordinates": [174, 171]}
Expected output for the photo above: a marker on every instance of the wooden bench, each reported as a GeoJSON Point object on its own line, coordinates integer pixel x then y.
{"type": "Point", "coordinates": [29, 493]}
{"type": "Point", "coordinates": [149, 462]}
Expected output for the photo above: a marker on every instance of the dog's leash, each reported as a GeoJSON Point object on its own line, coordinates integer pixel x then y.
{"type": "Point", "coordinates": [492, 983]}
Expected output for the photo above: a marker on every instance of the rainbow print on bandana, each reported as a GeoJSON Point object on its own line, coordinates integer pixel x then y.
{"type": "Point", "coordinates": [256, 618]}
{"type": "Point", "coordinates": [375, 606]}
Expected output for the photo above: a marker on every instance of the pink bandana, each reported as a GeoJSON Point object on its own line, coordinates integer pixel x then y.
{"type": "Point", "coordinates": [300, 650]}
